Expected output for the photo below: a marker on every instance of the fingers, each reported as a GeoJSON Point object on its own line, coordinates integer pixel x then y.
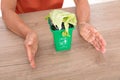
{"type": "Point", "coordinates": [30, 55]}
{"type": "Point", "coordinates": [97, 40]}
{"type": "Point", "coordinates": [102, 43]}
{"type": "Point", "coordinates": [91, 35]}
{"type": "Point", "coordinates": [32, 63]}
{"type": "Point", "coordinates": [35, 49]}
{"type": "Point", "coordinates": [99, 43]}
{"type": "Point", "coordinates": [31, 44]}
{"type": "Point", "coordinates": [95, 45]}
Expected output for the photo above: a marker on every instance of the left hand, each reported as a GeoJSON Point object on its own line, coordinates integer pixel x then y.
{"type": "Point", "coordinates": [90, 34]}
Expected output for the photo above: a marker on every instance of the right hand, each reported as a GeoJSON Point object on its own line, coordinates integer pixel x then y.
{"type": "Point", "coordinates": [31, 45]}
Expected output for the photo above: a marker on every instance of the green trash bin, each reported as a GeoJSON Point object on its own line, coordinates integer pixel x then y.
{"type": "Point", "coordinates": [61, 43]}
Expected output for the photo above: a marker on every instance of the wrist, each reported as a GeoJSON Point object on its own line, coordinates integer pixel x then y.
{"type": "Point", "coordinates": [30, 32]}
{"type": "Point", "coordinates": [80, 24]}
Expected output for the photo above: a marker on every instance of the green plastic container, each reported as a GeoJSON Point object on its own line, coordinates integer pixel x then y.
{"type": "Point", "coordinates": [61, 43]}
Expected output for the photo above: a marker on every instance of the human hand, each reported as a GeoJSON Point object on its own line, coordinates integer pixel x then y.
{"type": "Point", "coordinates": [90, 34]}
{"type": "Point", "coordinates": [31, 45]}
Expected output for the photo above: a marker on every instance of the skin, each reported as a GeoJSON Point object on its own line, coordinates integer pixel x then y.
{"type": "Point", "coordinates": [86, 30]}
{"type": "Point", "coordinates": [16, 25]}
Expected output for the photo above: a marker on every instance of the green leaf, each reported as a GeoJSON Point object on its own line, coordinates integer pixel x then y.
{"type": "Point", "coordinates": [59, 16]}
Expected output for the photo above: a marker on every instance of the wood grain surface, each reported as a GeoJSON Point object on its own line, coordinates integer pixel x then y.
{"type": "Point", "coordinates": [82, 62]}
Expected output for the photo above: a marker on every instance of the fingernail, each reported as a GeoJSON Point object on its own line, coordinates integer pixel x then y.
{"type": "Point", "coordinates": [33, 65]}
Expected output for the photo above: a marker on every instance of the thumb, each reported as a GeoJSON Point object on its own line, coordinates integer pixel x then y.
{"type": "Point", "coordinates": [30, 56]}
{"type": "Point", "coordinates": [32, 63]}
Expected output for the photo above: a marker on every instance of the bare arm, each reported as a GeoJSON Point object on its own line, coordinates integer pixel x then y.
{"type": "Point", "coordinates": [86, 30]}
{"type": "Point", "coordinates": [12, 20]}
{"type": "Point", "coordinates": [16, 25]}
{"type": "Point", "coordinates": [82, 10]}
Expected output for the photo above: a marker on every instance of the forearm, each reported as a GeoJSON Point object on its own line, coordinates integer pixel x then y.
{"type": "Point", "coordinates": [82, 11]}
{"type": "Point", "coordinates": [14, 23]}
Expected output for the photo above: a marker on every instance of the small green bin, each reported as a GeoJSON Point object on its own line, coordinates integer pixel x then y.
{"type": "Point", "coordinates": [62, 43]}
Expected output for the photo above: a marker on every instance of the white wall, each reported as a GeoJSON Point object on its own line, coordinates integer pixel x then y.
{"type": "Point", "coordinates": [68, 3]}
{"type": "Point", "coordinates": [0, 8]}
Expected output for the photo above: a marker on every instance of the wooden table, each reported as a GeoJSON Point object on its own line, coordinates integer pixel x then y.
{"type": "Point", "coordinates": [82, 62]}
